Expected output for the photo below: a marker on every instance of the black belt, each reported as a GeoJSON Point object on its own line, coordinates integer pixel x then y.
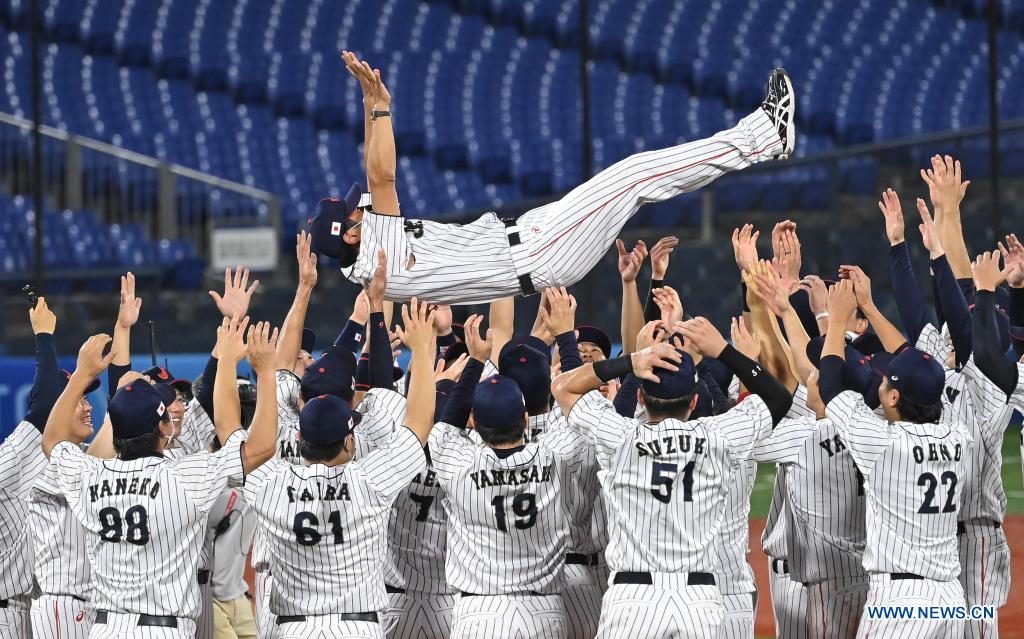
{"type": "Point", "coordinates": [348, 616]}
{"type": "Point", "coordinates": [152, 621]}
{"type": "Point", "coordinates": [645, 578]}
{"type": "Point", "coordinates": [532, 593]}
{"type": "Point", "coordinates": [780, 566]}
{"type": "Point", "coordinates": [582, 559]}
{"type": "Point", "coordinates": [525, 281]}
{"type": "Point", "coordinates": [513, 237]}
{"type": "Point", "coordinates": [395, 590]}
{"type": "Point", "coordinates": [961, 527]}
{"type": "Point", "coordinates": [3, 603]}
{"type": "Point", "coordinates": [203, 577]}
{"type": "Point", "coordinates": [897, 576]}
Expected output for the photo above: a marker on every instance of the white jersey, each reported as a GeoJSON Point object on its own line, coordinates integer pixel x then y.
{"type": "Point", "coordinates": [973, 400]}
{"type": "Point", "coordinates": [326, 526]}
{"type": "Point", "coordinates": [665, 483]}
{"type": "Point", "coordinates": [61, 562]}
{"type": "Point", "coordinates": [508, 528]}
{"type": "Point", "coordinates": [234, 525]}
{"type": "Point", "coordinates": [197, 429]}
{"type": "Point", "coordinates": [912, 475]}
{"type": "Point", "coordinates": [145, 521]}
{"type": "Point", "coordinates": [734, 574]}
{"type": "Point", "coordinates": [21, 462]}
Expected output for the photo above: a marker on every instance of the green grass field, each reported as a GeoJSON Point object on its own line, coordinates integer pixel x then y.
{"type": "Point", "coordinates": [1012, 480]}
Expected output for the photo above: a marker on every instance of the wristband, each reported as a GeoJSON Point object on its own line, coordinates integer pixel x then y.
{"type": "Point", "coordinates": [379, 114]}
{"type": "Point", "coordinates": [821, 315]}
{"type": "Point", "coordinates": [608, 369]}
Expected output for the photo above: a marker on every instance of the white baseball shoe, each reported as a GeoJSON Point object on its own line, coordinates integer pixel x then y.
{"type": "Point", "coordinates": [780, 105]}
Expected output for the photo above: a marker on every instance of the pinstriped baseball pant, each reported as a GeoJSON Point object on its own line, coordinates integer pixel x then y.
{"type": "Point", "coordinates": [60, 617]}
{"type": "Point", "coordinates": [789, 603]}
{"type": "Point", "coordinates": [328, 627]}
{"type": "Point", "coordinates": [984, 575]}
{"type": "Point", "coordinates": [739, 615]}
{"type": "Point", "coordinates": [653, 612]}
{"type": "Point", "coordinates": [14, 620]}
{"type": "Point", "coordinates": [418, 615]}
{"type": "Point", "coordinates": [126, 626]}
{"type": "Point", "coordinates": [264, 618]}
{"type": "Point", "coordinates": [835, 606]}
{"type": "Point", "coordinates": [509, 617]}
{"type": "Point", "coordinates": [911, 592]}
{"type": "Point", "coordinates": [581, 595]}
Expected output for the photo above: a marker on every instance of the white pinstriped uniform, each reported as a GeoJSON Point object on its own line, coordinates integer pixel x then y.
{"type": "Point", "coordinates": [21, 462]}
{"type": "Point", "coordinates": [508, 525]}
{"type": "Point", "coordinates": [789, 597]}
{"type": "Point", "coordinates": [60, 566]}
{"type": "Point", "coordinates": [326, 528]}
{"type": "Point", "coordinates": [734, 576]}
{"type": "Point", "coordinates": [559, 242]}
{"type": "Point", "coordinates": [145, 520]}
{"type": "Point", "coordinates": [972, 399]}
{"type": "Point", "coordinates": [665, 492]}
{"type": "Point", "coordinates": [911, 484]}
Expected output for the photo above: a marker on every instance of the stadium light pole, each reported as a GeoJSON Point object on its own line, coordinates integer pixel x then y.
{"type": "Point", "coordinates": [587, 147]}
{"type": "Point", "coordinates": [993, 116]}
{"type": "Point", "coordinates": [37, 142]}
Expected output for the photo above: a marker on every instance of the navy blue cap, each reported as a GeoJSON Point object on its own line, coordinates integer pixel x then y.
{"type": "Point", "coordinates": [673, 384]}
{"type": "Point", "coordinates": [531, 341]}
{"type": "Point", "coordinates": [138, 408]}
{"type": "Point", "coordinates": [594, 335]}
{"type": "Point", "coordinates": [159, 374]}
{"type": "Point", "coordinates": [332, 374]}
{"type": "Point", "coordinates": [454, 352]}
{"type": "Point", "coordinates": [867, 343]}
{"type": "Point", "coordinates": [705, 407]}
{"type": "Point", "coordinates": [859, 374]}
{"type": "Point", "coordinates": [308, 340]}
{"type": "Point", "coordinates": [65, 377]}
{"type": "Point", "coordinates": [327, 419]}
{"type": "Point", "coordinates": [531, 370]}
{"type": "Point", "coordinates": [497, 401]}
{"type": "Point", "coordinates": [327, 226]}
{"type": "Point", "coordinates": [916, 375]}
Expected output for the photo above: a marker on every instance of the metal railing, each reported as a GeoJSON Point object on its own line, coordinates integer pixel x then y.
{"type": "Point", "coordinates": [163, 199]}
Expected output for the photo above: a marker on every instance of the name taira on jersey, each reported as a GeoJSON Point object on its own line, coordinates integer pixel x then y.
{"type": "Point", "coordinates": [937, 452]}
{"type": "Point", "coordinates": [319, 492]}
{"type": "Point", "coordinates": [124, 487]}
{"type": "Point", "coordinates": [673, 445]}
{"type": "Point", "coordinates": [511, 477]}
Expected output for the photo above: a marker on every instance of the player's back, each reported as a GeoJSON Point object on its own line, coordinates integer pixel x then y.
{"type": "Point", "coordinates": [824, 509]}
{"type": "Point", "coordinates": [418, 536]}
{"type": "Point", "coordinates": [61, 565]}
{"type": "Point", "coordinates": [734, 574]}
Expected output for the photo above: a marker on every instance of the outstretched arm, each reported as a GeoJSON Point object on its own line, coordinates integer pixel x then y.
{"type": "Point", "coordinates": [949, 295]}
{"type": "Point", "coordinates": [91, 362]}
{"type": "Point", "coordinates": [262, 441]}
{"type": "Point", "coordinates": [946, 190]}
{"type": "Point", "coordinates": [570, 386]}
{"type": "Point", "coordinates": [351, 62]}
{"type": "Point", "coordinates": [380, 157]}
{"type": "Point", "coordinates": [419, 336]}
{"type": "Point", "coordinates": [127, 316]}
{"type": "Point", "coordinates": [632, 311]}
{"type": "Point", "coordinates": [291, 331]}
{"type": "Point", "coordinates": [909, 301]}
{"type": "Point", "coordinates": [987, 353]}
{"type": "Point", "coordinates": [774, 354]}
{"type": "Point", "coordinates": [44, 383]}
{"type": "Point", "coordinates": [501, 319]}
{"type": "Point", "coordinates": [660, 255]}
{"type": "Point", "coordinates": [889, 335]}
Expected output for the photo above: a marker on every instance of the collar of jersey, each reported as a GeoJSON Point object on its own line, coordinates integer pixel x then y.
{"type": "Point", "coordinates": [926, 430]}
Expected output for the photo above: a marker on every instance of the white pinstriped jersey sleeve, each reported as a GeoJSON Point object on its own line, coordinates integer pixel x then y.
{"type": "Point", "coordinates": [743, 425]}
{"type": "Point", "coordinates": [584, 489]}
{"type": "Point", "coordinates": [197, 429]}
{"type": "Point", "coordinates": [203, 476]}
{"type": "Point", "coordinates": [866, 434]}
{"type": "Point", "coordinates": [288, 393]}
{"type": "Point", "coordinates": [932, 342]}
{"type": "Point", "coordinates": [785, 442]}
{"type": "Point", "coordinates": [385, 232]}
{"type": "Point", "coordinates": [603, 428]}
{"type": "Point", "coordinates": [391, 467]}
{"type": "Point", "coordinates": [21, 462]}
{"type": "Point", "coordinates": [799, 408]}
{"type": "Point", "coordinates": [61, 562]}
{"type": "Point", "coordinates": [382, 410]}
{"type": "Point", "coordinates": [450, 448]}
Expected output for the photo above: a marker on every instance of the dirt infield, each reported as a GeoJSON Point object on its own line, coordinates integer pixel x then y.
{"type": "Point", "coordinates": [1011, 616]}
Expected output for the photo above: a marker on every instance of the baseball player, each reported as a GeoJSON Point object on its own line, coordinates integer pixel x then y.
{"type": "Point", "coordinates": [20, 466]}
{"type": "Point", "coordinates": [325, 522]}
{"type": "Point", "coordinates": [554, 245]}
{"type": "Point", "coordinates": [912, 466]}
{"type": "Point", "coordinates": [664, 480]}
{"type": "Point", "coordinates": [145, 514]}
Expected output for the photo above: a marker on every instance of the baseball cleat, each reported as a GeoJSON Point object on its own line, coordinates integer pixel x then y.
{"type": "Point", "coordinates": [780, 105]}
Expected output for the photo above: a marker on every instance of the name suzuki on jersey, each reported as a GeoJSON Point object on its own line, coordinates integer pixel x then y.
{"type": "Point", "coordinates": [673, 445]}
{"type": "Point", "coordinates": [511, 477]}
{"type": "Point", "coordinates": [145, 487]}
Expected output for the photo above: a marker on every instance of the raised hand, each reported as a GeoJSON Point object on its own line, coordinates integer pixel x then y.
{"type": "Point", "coordinates": [649, 335]}
{"type": "Point", "coordinates": [630, 263]}
{"type": "Point", "coordinates": [261, 348]}
{"type": "Point", "coordinates": [479, 346]}
{"type": "Point", "coordinates": [987, 275]}
{"type": "Point", "coordinates": [773, 291]}
{"type": "Point", "coordinates": [893, 212]}
{"type": "Point", "coordinates": [789, 258]}
{"type": "Point", "coordinates": [306, 260]}
{"type": "Point", "coordinates": [355, 67]}
{"type": "Point", "coordinates": [778, 231]}
{"type": "Point", "coordinates": [396, 345]}
{"type": "Point", "coordinates": [443, 319]}
{"type": "Point", "coordinates": [861, 284]}
{"type": "Point", "coordinates": [842, 303]}
{"type": "Point", "coordinates": [817, 293]}
{"type": "Point", "coordinates": [1013, 259]}
{"type": "Point", "coordinates": [945, 186]}
{"type": "Point", "coordinates": [91, 360]}
{"type": "Point", "coordinates": [42, 318]}
{"type": "Point", "coordinates": [657, 356]}
{"type": "Point", "coordinates": [230, 342]}
{"type": "Point", "coordinates": [744, 340]}
{"type": "Point", "coordinates": [560, 316]}
{"type": "Point", "coordinates": [235, 300]}
{"type": "Point", "coordinates": [660, 255]}
{"type": "Point", "coordinates": [702, 335]}
{"type": "Point", "coordinates": [929, 233]}
{"type": "Point", "coordinates": [361, 309]}
{"type": "Point", "coordinates": [744, 246]}
{"type": "Point", "coordinates": [379, 284]}
{"type": "Point", "coordinates": [452, 371]}
{"type": "Point", "coordinates": [670, 304]}
{"type": "Point", "coordinates": [417, 330]}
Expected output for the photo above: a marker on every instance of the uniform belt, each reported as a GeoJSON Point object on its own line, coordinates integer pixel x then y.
{"type": "Point", "coordinates": [203, 577]}
{"type": "Point", "coordinates": [394, 590]}
{"type": "Point", "coordinates": [152, 621]}
{"type": "Point", "coordinates": [526, 285]}
{"type": "Point", "coordinates": [347, 616]}
{"type": "Point", "coordinates": [3, 603]}
{"type": "Point", "coordinates": [513, 236]}
{"type": "Point", "coordinates": [897, 576]}
{"type": "Point", "coordinates": [532, 593]}
{"type": "Point", "coordinates": [780, 566]}
{"type": "Point", "coordinates": [961, 527]}
{"type": "Point", "coordinates": [582, 559]}
{"type": "Point", "coordinates": [645, 578]}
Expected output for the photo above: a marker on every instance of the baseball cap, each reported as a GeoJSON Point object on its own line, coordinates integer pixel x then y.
{"type": "Point", "coordinates": [673, 384]}
{"type": "Point", "coordinates": [867, 343]}
{"type": "Point", "coordinates": [594, 335]}
{"type": "Point", "coordinates": [161, 375]}
{"type": "Point", "coordinates": [138, 408]}
{"type": "Point", "coordinates": [531, 370]}
{"type": "Point", "coordinates": [497, 401]}
{"type": "Point", "coordinates": [332, 374]}
{"type": "Point", "coordinates": [362, 379]}
{"type": "Point", "coordinates": [327, 226]}
{"type": "Point", "coordinates": [65, 377]}
{"type": "Point", "coordinates": [916, 375]}
{"type": "Point", "coordinates": [859, 374]}
{"type": "Point", "coordinates": [327, 419]}
{"type": "Point", "coordinates": [308, 340]}
{"type": "Point", "coordinates": [531, 341]}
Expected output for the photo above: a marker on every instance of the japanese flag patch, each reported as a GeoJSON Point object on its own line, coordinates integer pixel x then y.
{"type": "Point", "coordinates": [335, 228]}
